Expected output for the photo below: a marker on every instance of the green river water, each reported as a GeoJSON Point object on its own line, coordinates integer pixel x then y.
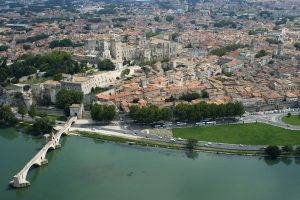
{"type": "Point", "coordinates": [85, 169]}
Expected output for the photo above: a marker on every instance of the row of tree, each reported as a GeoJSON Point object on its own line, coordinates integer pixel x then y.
{"type": "Point", "coordinates": [226, 49]}
{"type": "Point", "coordinates": [275, 151]}
{"type": "Point", "coordinates": [33, 38]}
{"type": "Point", "coordinates": [103, 112]}
{"type": "Point", "coordinates": [63, 43]}
{"type": "Point", "coordinates": [192, 96]}
{"type": "Point", "coordinates": [150, 114]}
{"type": "Point", "coordinates": [186, 112]}
{"type": "Point", "coordinates": [204, 110]}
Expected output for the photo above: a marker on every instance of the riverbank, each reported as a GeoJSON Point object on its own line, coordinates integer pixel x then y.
{"type": "Point", "coordinates": [168, 145]}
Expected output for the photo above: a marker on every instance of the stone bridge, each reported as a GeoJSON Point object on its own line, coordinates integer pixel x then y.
{"type": "Point", "coordinates": [19, 180]}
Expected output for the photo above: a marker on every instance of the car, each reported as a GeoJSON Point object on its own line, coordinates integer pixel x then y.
{"type": "Point", "coordinates": [179, 139]}
{"type": "Point", "coordinates": [181, 123]}
{"type": "Point", "coordinates": [200, 123]}
{"type": "Point", "coordinates": [172, 140]}
{"type": "Point", "coordinates": [160, 137]}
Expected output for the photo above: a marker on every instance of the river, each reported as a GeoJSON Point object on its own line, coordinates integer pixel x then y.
{"type": "Point", "coordinates": [86, 169]}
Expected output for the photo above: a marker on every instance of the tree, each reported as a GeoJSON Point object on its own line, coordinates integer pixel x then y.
{"type": "Point", "coordinates": [103, 113]}
{"type": "Point", "coordinates": [22, 110]}
{"type": "Point", "coordinates": [7, 117]}
{"type": "Point", "coordinates": [190, 149]}
{"type": "Point", "coordinates": [31, 111]}
{"type": "Point", "coordinates": [289, 115]}
{"type": "Point", "coordinates": [189, 96]}
{"type": "Point", "coordinates": [166, 114]}
{"type": "Point", "coordinates": [204, 94]}
{"type": "Point", "coordinates": [297, 46]}
{"type": "Point", "coordinates": [273, 151]}
{"type": "Point", "coordinates": [297, 150]}
{"type": "Point", "coordinates": [287, 148]}
{"type": "Point", "coordinates": [124, 73]}
{"type": "Point", "coordinates": [43, 125]}
{"type": "Point", "coordinates": [261, 53]}
{"type": "Point", "coordinates": [65, 98]}
{"type": "Point", "coordinates": [169, 18]}
{"type": "Point", "coordinates": [156, 18]}
{"type": "Point", "coordinates": [106, 64]}
{"type": "Point", "coordinates": [26, 47]}
{"type": "Point", "coordinates": [58, 77]}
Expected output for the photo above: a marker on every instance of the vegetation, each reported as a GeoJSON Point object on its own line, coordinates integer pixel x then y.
{"type": "Point", "coordinates": [22, 110]}
{"type": "Point", "coordinates": [189, 96]}
{"type": "Point", "coordinates": [58, 77]}
{"type": "Point", "coordinates": [94, 20]}
{"type": "Point", "coordinates": [169, 18]}
{"type": "Point", "coordinates": [65, 98]}
{"type": "Point", "coordinates": [7, 117]}
{"type": "Point", "coordinates": [273, 41]}
{"type": "Point", "coordinates": [261, 53]}
{"type": "Point", "coordinates": [148, 62]}
{"type": "Point", "coordinates": [150, 114]}
{"type": "Point", "coordinates": [248, 134]}
{"type": "Point", "coordinates": [124, 73]}
{"type": "Point", "coordinates": [203, 110]}
{"type": "Point", "coordinates": [120, 19]}
{"type": "Point", "coordinates": [98, 90]}
{"type": "Point", "coordinates": [103, 113]}
{"type": "Point", "coordinates": [273, 151]}
{"type": "Point", "coordinates": [32, 39]}
{"type": "Point", "coordinates": [106, 64]}
{"type": "Point", "coordinates": [226, 49]}
{"type": "Point", "coordinates": [224, 23]}
{"type": "Point", "coordinates": [63, 43]}
{"type": "Point", "coordinates": [43, 125]}
{"type": "Point", "coordinates": [51, 63]}
{"type": "Point", "coordinates": [297, 46]}
{"type": "Point", "coordinates": [204, 94]}
{"type": "Point", "coordinates": [57, 118]}
{"type": "Point", "coordinates": [3, 48]}
{"type": "Point", "coordinates": [256, 31]}
{"type": "Point", "coordinates": [32, 112]}
{"type": "Point", "coordinates": [292, 120]}
{"type": "Point", "coordinates": [150, 34]}
{"type": "Point", "coordinates": [26, 47]}
{"type": "Point", "coordinates": [156, 18]}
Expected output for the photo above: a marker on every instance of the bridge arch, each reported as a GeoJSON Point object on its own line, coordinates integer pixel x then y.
{"type": "Point", "coordinates": [19, 180]}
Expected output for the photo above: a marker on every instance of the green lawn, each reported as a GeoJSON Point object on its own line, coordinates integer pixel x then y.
{"type": "Point", "coordinates": [292, 120]}
{"type": "Point", "coordinates": [254, 133]}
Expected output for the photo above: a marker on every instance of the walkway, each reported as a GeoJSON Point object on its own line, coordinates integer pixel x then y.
{"type": "Point", "coordinates": [19, 180]}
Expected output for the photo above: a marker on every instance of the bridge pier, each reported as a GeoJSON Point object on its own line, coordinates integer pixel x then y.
{"type": "Point", "coordinates": [19, 180]}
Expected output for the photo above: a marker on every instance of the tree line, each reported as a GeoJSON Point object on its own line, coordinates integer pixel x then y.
{"type": "Point", "coordinates": [103, 112]}
{"type": "Point", "coordinates": [32, 39]}
{"type": "Point", "coordinates": [226, 49]}
{"type": "Point", "coordinates": [63, 43]}
{"type": "Point", "coordinates": [150, 114]}
{"type": "Point", "coordinates": [186, 112]}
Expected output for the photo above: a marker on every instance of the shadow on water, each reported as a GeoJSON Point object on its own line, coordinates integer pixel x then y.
{"type": "Point", "coordinates": [9, 134]}
{"type": "Point", "coordinates": [191, 154]}
{"type": "Point", "coordinates": [285, 160]}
